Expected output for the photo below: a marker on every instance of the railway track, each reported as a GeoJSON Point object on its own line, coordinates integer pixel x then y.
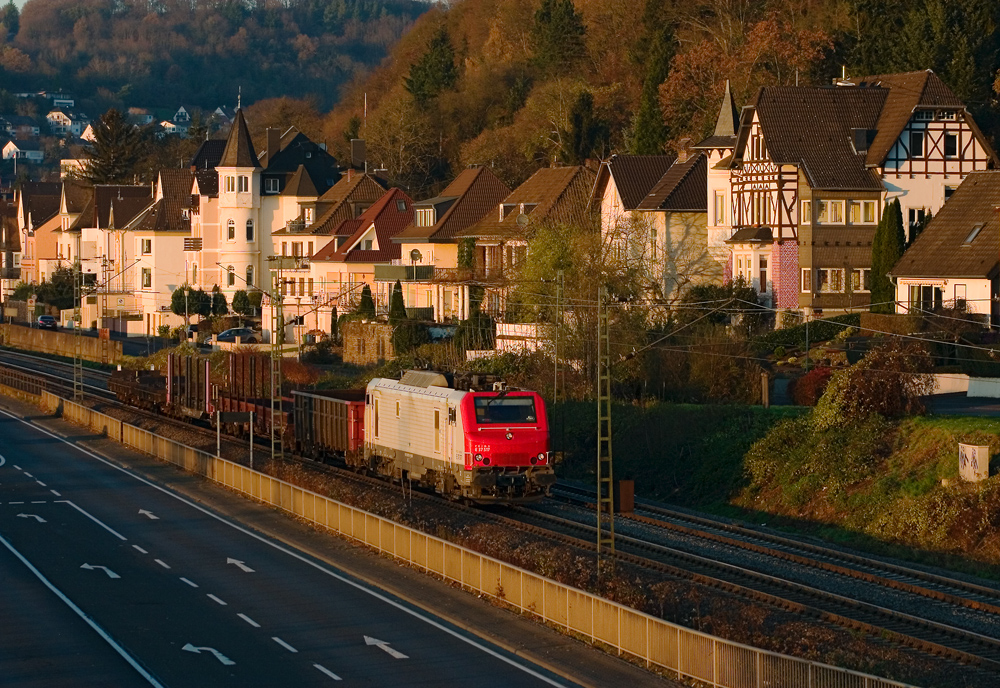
{"type": "Point", "coordinates": [649, 551]}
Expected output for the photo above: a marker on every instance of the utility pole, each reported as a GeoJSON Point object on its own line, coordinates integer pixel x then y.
{"type": "Point", "coordinates": [77, 332]}
{"type": "Point", "coordinates": [557, 321]}
{"type": "Point", "coordinates": [277, 343]}
{"type": "Point", "coordinates": [605, 475]}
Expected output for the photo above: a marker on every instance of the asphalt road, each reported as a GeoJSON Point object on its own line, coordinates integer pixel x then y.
{"type": "Point", "coordinates": [107, 578]}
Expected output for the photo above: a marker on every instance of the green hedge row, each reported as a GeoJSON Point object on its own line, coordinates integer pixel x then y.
{"type": "Point", "coordinates": [819, 331]}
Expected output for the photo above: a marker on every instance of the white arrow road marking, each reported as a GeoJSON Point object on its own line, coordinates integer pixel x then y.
{"type": "Point", "coordinates": [328, 672]}
{"type": "Point", "coordinates": [384, 646]}
{"type": "Point", "coordinates": [111, 574]}
{"type": "Point", "coordinates": [243, 567]}
{"type": "Point", "coordinates": [40, 519]}
{"type": "Point", "coordinates": [149, 514]}
{"type": "Point", "coordinates": [218, 655]}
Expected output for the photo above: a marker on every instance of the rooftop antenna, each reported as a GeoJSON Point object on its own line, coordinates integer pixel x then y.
{"type": "Point", "coordinates": [239, 97]}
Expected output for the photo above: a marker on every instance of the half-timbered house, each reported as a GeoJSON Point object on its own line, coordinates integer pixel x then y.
{"type": "Point", "coordinates": [812, 168]}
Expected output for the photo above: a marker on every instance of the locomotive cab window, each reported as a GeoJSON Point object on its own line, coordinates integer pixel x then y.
{"type": "Point", "coordinates": [397, 409]}
{"type": "Point", "coordinates": [504, 410]}
{"type": "Point", "coordinates": [437, 430]}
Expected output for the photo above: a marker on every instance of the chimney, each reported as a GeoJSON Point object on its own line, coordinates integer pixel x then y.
{"type": "Point", "coordinates": [683, 149]}
{"type": "Point", "coordinates": [358, 154]}
{"type": "Point", "coordinates": [273, 142]}
{"type": "Point", "coordinates": [350, 173]}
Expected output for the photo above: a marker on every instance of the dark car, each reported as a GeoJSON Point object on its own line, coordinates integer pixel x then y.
{"type": "Point", "coordinates": [246, 335]}
{"type": "Point", "coordinates": [47, 322]}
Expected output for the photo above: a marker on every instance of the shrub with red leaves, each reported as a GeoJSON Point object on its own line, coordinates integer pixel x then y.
{"type": "Point", "coordinates": [807, 390]}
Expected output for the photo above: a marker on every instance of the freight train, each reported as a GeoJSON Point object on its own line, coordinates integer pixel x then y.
{"type": "Point", "coordinates": [468, 438]}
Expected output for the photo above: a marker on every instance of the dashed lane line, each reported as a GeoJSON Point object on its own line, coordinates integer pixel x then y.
{"type": "Point", "coordinates": [96, 520]}
{"type": "Point", "coordinates": [328, 672]}
{"type": "Point", "coordinates": [140, 549]}
{"type": "Point", "coordinates": [249, 620]}
{"type": "Point", "coordinates": [216, 599]}
{"type": "Point", "coordinates": [162, 563]}
{"type": "Point", "coordinates": [55, 493]}
{"type": "Point", "coordinates": [189, 582]}
{"type": "Point", "coordinates": [283, 643]}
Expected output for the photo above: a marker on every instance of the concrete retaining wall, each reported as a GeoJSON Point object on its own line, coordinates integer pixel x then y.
{"type": "Point", "coordinates": [59, 343]}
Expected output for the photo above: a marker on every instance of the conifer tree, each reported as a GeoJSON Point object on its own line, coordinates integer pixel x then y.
{"type": "Point", "coordinates": [887, 249]}
{"type": "Point", "coordinates": [587, 132]}
{"type": "Point", "coordinates": [558, 35]}
{"type": "Point", "coordinates": [366, 308]}
{"type": "Point", "coordinates": [241, 303]}
{"type": "Point", "coordinates": [397, 309]}
{"type": "Point", "coordinates": [117, 153]}
{"type": "Point", "coordinates": [435, 71]}
{"type": "Point", "coordinates": [219, 304]}
{"type": "Point", "coordinates": [650, 132]}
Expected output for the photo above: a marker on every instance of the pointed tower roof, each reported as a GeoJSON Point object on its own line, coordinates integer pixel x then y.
{"type": "Point", "coordinates": [726, 125]}
{"type": "Point", "coordinates": [239, 150]}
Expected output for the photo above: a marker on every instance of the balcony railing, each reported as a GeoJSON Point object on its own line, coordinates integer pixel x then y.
{"type": "Point", "coordinates": [404, 273]}
{"type": "Point", "coordinates": [463, 275]}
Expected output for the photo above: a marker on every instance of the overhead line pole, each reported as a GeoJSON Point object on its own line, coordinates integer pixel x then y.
{"type": "Point", "coordinates": [605, 475]}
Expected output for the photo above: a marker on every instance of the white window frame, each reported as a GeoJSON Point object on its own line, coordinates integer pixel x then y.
{"type": "Point", "coordinates": [862, 273]}
{"type": "Point", "coordinates": [822, 211]}
{"type": "Point", "coordinates": [806, 281]}
{"type": "Point", "coordinates": [806, 212]}
{"type": "Point", "coordinates": [242, 184]}
{"type": "Point", "coordinates": [272, 185]}
{"type": "Point", "coordinates": [836, 213]}
{"type": "Point", "coordinates": [146, 246]}
{"type": "Point", "coordinates": [720, 208]}
{"type": "Point", "coordinates": [865, 206]}
{"type": "Point", "coordinates": [944, 145]}
{"type": "Point", "coordinates": [830, 275]}
{"type": "Point", "coordinates": [230, 183]}
{"type": "Point", "coordinates": [147, 278]}
{"type": "Point", "coordinates": [231, 230]}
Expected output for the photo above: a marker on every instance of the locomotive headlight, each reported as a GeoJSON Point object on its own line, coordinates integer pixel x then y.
{"type": "Point", "coordinates": [541, 457]}
{"type": "Point", "coordinates": [479, 457]}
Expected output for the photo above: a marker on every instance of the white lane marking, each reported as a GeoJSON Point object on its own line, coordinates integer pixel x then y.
{"type": "Point", "coordinates": [243, 567]}
{"type": "Point", "coordinates": [18, 467]}
{"type": "Point", "coordinates": [162, 563]}
{"type": "Point", "coordinates": [111, 574]}
{"type": "Point", "coordinates": [140, 549]}
{"type": "Point", "coordinates": [15, 502]}
{"type": "Point", "coordinates": [384, 646]}
{"type": "Point", "coordinates": [40, 482]}
{"type": "Point", "coordinates": [96, 520]}
{"type": "Point", "coordinates": [55, 493]}
{"type": "Point", "coordinates": [213, 597]}
{"type": "Point", "coordinates": [191, 583]}
{"type": "Point", "coordinates": [249, 620]}
{"type": "Point", "coordinates": [439, 625]}
{"type": "Point", "coordinates": [79, 612]}
{"type": "Point", "coordinates": [40, 519]}
{"type": "Point", "coordinates": [149, 514]}
{"type": "Point", "coordinates": [328, 672]}
{"type": "Point", "coordinates": [28, 475]}
{"type": "Point", "coordinates": [218, 655]}
{"type": "Point", "coordinates": [41, 501]}
{"type": "Point", "coordinates": [283, 643]}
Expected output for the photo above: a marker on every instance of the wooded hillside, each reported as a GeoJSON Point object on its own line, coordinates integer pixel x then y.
{"type": "Point", "coordinates": [164, 53]}
{"type": "Point", "coordinates": [519, 83]}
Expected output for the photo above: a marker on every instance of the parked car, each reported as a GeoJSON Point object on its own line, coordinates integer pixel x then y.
{"type": "Point", "coordinates": [246, 335]}
{"type": "Point", "coordinates": [47, 322]}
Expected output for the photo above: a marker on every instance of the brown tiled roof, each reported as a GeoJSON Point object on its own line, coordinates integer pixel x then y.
{"type": "Point", "coordinates": [633, 175]}
{"type": "Point", "coordinates": [475, 192]}
{"type": "Point", "coordinates": [906, 92]}
{"type": "Point", "coordinates": [10, 236]}
{"type": "Point", "coordinates": [559, 194]}
{"type": "Point", "coordinates": [208, 182]}
{"type": "Point", "coordinates": [40, 199]}
{"type": "Point", "coordinates": [77, 194]}
{"type": "Point", "coordinates": [941, 250]}
{"type": "Point", "coordinates": [208, 155]}
{"type": "Point", "coordinates": [300, 185]}
{"type": "Point", "coordinates": [683, 187]}
{"type": "Point", "coordinates": [389, 220]}
{"type": "Point", "coordinates": [334, 206]}
{"type": "Point", "coordinates": [119, 203]}
{"type": "Point", "coordinates": [239, 150]}
{"type": "Point", "coordinates": [166, 214]}
{"type": "Point", "coordinates": [812, 127]}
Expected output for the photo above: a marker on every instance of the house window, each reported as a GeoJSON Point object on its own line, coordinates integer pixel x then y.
{"type": "Point", "coordinates": [308, 215]}
{"type": "Point", "coordinates": [925, 297]}
{"type": "Point", "coordinates": [807, 212]}
{"type": "Point", "coordinates": [249, 230]}
{"type": "Point", "coordinates": [923, 115]}
{"type": "Point", "coordinates": [271, 185]}
{"type": "Point", "coordinates": [147, 278]}
{"type": "Point", "coordinates": [291, 282]}
{"type": "Point", "coordinates": [806, 280]}
{"type": "Point", "coordinates": [296, 248]}
{"type": "Point", "coordinates": [230, 276]}
{"type": "Point", "coordinates": [830, 280]}
{"type": "Point", "coordinates": [960, 297]}
{"type": "Point", "coordinates": [823, 211]}
{"type": "Point", "coordinates": [249, 275]}
{"type": "Point", "coordinates": [367, 245]}
{"type": "Point", "coordinates": [243, 183]}
{"type": "Point", "coordinates": [284, 248]}
{"type": "Point", "coordinates": [946, 115]}
{"type": "Point", "coordinates": [309, 249]}
{"type": "Point", "coordinates": [861, 279]}
{"type": "Point", "coordinates": [916, 144]}
{"type": "Point", "coordinates": [763, 274]}
{"type": "Point", "coordinates": [185, 214]}
{"type": "Point", "coordinates": [194, 274]}
{"type": "Point", "coordinates": [836, 212]}
{"type": "Point", "coordinates": [231, 230]}
{"type": "Point", "coordinates": [915, 216]}
{"type": "Point", "coordinates": [720, 208]}
{"type": "Point", "coordinates": [401, 205]}
{"type": "Point", "coordinates": [425, 217]}
{"type": "Point", "coordinates": [397, 409]}
{"type": "Point", "coordinates": [302, 287]}
{"type": "Point", "coordinates": [147, 246]}
{"type": "Point", "coordinates": [868, 212]}
{"type": "Point", "coordinates": [950, 145]}
{"type": "Point", "coordinates": [230, 184]}
{"type": "Point", "coordinates": [948, 191]}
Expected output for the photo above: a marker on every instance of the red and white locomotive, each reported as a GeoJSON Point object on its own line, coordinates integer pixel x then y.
{"type": "Point", "coordinates": [480, 445]}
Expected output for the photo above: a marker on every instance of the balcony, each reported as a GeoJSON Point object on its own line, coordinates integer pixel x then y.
{"type": "Point", "coordinates": [10, 273]}
{"type": "Point", "coordinates": [465, 275]}
{"type": "Point", "coordinates": [192, 244]}
{"type": "Point", "coordinates": [404, 273]}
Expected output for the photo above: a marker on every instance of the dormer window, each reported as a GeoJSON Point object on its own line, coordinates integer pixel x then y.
{"type": "Point", "coordinates": [425, 217]}
{"type": "Point", "coordinates": [923, 115]}
{"type": "Point", "coordinates": [506, 209]}
{"type": "Point", "coordinates": [308, 215]}
{"type": "Point", "coordinates": [401, 205]}
{"type": "Point", "coordinates": [271, 185]}
{"type": "Point", "coordinates": [526, 208]}
{"type": "Point", "coordinates": [185, 214]}
{"type": "Point", "coordinates": [367, 245]}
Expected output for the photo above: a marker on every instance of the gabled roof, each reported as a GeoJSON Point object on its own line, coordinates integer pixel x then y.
{"type": "Point", "coordinates": [812, 127]}
{"type": "Point", "coordinates": [40, 200]}
{"type": "Point", "coordinates": [907, 92]}
{"type": "Point", "coordinates": [116, 205]}
{"type": "Point", "coordinates": [25, 145]}
{"type": "Point", "coordinates": [166, 214]}
{"type": "Point", "coordinates": [468, 199]}
{"type": "Point", "coordinates": [552, 194]}
{"type": "Point", "coordinates": [943, 250]}
{"type": "Point", "coordinates": [682, 188]}
{"type": "Point", "coordinates": [389, 215]}
{"type": "Point", "coordinates": [336, 205]}
{"type": "Point", "coordinates": [296, 152]}
{"type": "Point", "coordinates": [633, 176]}
{"type": "Point", "coordinates": [239, 150]}
{"type": "Point", "coordinates": [75, 195]}
{"type": "Point", "coordinates": [300, 185]}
